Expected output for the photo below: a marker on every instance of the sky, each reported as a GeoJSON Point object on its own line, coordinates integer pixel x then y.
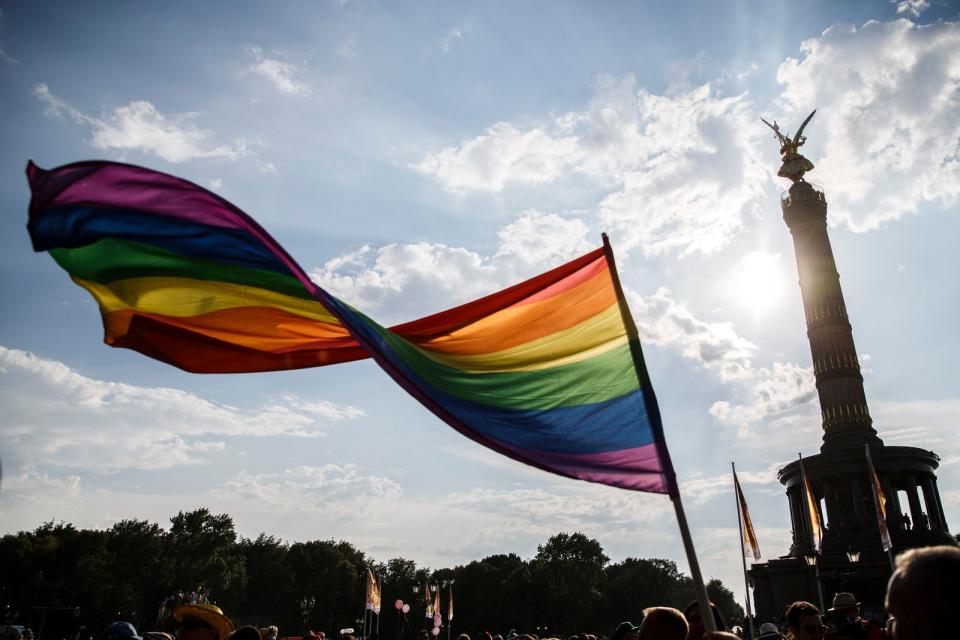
{"type": "Point", "coordinates": [412, 156]}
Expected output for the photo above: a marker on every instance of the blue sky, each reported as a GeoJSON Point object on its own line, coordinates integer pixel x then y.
{"type": "Point", "coordinates": [412, 156]}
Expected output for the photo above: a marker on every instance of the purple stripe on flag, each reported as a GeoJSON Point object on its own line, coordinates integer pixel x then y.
{"type": "Point", "coordinates": [109, 184]}
{"type": "Point", "coordinates": [638, 468]}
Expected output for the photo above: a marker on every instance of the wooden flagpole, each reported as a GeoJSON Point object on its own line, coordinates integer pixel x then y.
{"type": "Point", "coordinates": [743, 556]}
{"type": "Point", "coordinates": [656, 425]}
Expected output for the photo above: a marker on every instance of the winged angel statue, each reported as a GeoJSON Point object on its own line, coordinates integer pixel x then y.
{"type": "Point", "coordinates": [794, 165]}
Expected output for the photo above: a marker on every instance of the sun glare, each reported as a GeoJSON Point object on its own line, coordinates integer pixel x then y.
{"type": "Point", "coordinates": [758, 282]}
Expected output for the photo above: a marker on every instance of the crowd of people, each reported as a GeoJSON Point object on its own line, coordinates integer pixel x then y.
{"type": "Point", "coordinates": [922, 602]}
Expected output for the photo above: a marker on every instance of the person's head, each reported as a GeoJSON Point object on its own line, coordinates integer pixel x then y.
{"type": "Point", "coordinates": [121, 631]}
{"type": "Point", "coordinates": [692, 613]}
{"type": "Point", "coordinates": [246, 632]}
{"type": "Point", "coordinates": [423, 634]}
{"type": "Point", "coordinates": [626, 630]}
{"type": "Point", "coordinates": [769, 631]}
{"type": "Point", "coordinates": [463, 636]}
{"type": "Point", "coordinates": [923, 593]}
{"type": "Point", "coordinates": [804, 621]}
{"type": "Point", "coordinates": [845, 605]}
{"type": "Point", "coordinates": [663, 623]}
{"type": "Point", "coordinates": [201, 622]}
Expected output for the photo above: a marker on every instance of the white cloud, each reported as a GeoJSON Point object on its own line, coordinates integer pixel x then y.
{"type": "Point", "coordinates": [502, 155]}
{"type": "Point", "coordinates": [405, 281]}
{"type": "Point", "coordinates": [911, 7]}
{"type": "Point", "coordinates": [282, 75]}
{"type": "Point", "coordinates": [400, 282]}
{"type": "Point", "coordinates": [215, 184]}
{"type": "Point", "coordinates": [54, 415]}
{"type": "Point", "coordinates": [679, 171]}
{"type": "Point", "coordinates": [702, 489]}
{"type": "Point", "coordinates": [139, 126]}
{"type": "Point", "coordinates": [449, 37]}
{"type": "Point", "coordinates": [717, 346]}
{"type": "Point", "coordinates": [331, 488]}
{"type": "Point", "coordinates": [887, 115]}
{"type": "Point", "coordinates": [774, 391]}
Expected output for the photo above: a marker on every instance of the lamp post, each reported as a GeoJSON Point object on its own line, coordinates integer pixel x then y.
{"type": "Point", "coordinates": [448, 584]}
{"type": "Point", "coordinates": [812, 558]}
{"type": "Point", "coordinates": [307, 603]}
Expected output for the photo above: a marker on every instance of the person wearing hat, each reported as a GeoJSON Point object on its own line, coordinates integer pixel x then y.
{"type": "Point", "coordinates": [202, 621]}
{"type": "Point", "coordinates": [121, 631]}
{"type": "Point", "coordinates": [626, 630]}
{"type": "Point", "coordinates": [844, 621]}
{"type": "Point", "coordinates": [769, 631]}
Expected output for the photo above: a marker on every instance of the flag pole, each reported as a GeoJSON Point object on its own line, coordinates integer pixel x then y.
{"type": "Point", "coordinates": [806, 504]}
{"type": "Point", "coordinates": [703, 599]}
{"type": "Point", "coordinates": [743, 556]}
{"type": "Point", "coordinates": [656, 425]}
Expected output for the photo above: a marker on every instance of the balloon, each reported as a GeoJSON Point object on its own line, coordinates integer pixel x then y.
{"type": "Point", "coordinates": [406, 608]}
{"type": "Point", "coordinates": [398, 604]}
{"type": "Point", "coordinates": [436, 631]}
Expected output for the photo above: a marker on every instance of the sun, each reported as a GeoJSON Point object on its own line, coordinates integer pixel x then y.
{"type": "Point", "coordinates": [758, 282]}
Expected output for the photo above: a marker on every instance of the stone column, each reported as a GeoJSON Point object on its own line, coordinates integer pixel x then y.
{"type": "Point", "coordinates": [916, 511]}
{"type": "Point", "coordinates": [836, 367]}
{"type": "Point", "coordinates": [930, 502]}
{"type": "Point", "coordinates": [893, 502]}
{"type": "Point", "coordinates": [943, 516]}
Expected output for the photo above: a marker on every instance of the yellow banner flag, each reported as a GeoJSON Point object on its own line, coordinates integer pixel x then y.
{"type": "Point", "coordinates": [880, 502]}
{"type": "Point", "coordinates": [750, 544]}
{"type": "Point", "coordinates": [815, 525]}
{"type": "Point", "coordinates": [450, 606]}
{"type": "Point", "coordinates": [373, 593]}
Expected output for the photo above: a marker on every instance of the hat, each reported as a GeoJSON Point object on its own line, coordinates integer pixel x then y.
{"type": "Point", "coordinates": [208, 613]}
{"type": "Point", "coordinates": [843, 600]}
{"type": "Point", "coordinates": [769, 630]}
{"type": "Point", "coordinates": [121, 631]}
{"type": "Point", "coordinates": [623, 628]}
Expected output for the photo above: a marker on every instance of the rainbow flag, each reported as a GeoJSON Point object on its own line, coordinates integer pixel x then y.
{"type": "Point", "coordinates": [548, 372]}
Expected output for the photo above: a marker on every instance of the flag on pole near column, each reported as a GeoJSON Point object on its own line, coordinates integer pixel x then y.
{"type": "Point", "coordinates": [813, 513]}
{"type": "Point", "coordinates": [373, 593]}
{"type": "Point", "coordinates": [750, 544]}
{"type": "Point", "coordinates": [436, 605]}
{"type": "Point", "coordinates": [880, 503]}
{"type": "Point", "coordinates": [428, 609]}
{"type": "Point", "coordinates": [450, 606]}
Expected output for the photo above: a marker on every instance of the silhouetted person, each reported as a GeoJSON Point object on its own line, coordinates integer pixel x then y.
{"type": "Point", "coordinates": [923, 594]}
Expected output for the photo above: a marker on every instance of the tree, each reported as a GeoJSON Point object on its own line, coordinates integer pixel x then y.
{"type": "Point", "coordinates": [202, 551]}
{"type": "Point", "coordinates": [568, 569]}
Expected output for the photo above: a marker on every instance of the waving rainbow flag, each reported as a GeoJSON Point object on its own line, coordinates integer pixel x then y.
{"type": "Point", "coordinates": [548, 372]}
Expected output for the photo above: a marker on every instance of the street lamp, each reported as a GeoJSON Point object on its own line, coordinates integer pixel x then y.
{"type": "Point", "coordinates": [307, 603]}
{"type": "Point", "coordinates": [812, 557]}
{"type": "Point", "coordinates": [853, 555]}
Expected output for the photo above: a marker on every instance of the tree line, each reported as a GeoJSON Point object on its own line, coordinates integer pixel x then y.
{"type": "Point", "coordinates": [74, 582]}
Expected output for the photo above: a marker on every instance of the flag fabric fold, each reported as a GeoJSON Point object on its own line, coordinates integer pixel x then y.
{"type": "Point", "coordinates": [549, 372]}
{"type": "Point", "coordinates": [373, 593]}
{"type": "Point", "coordinates": [450, 606]}
{"type": "Point", "coordinates": [880, 503]}
{"type": "Point", "coordinates": [749, 537]}
{"type": "Point", "coordinates": [814, 524]}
